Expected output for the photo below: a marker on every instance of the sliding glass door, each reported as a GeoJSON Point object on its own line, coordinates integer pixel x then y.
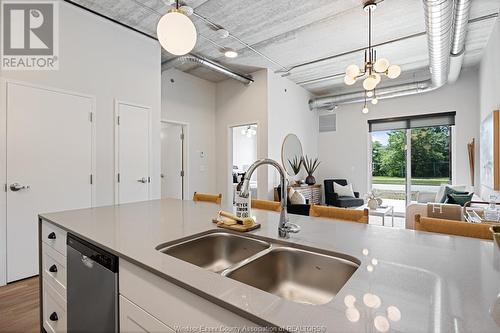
{"type": "Point", "coordinates": [430, 161]}
{"type": "Point", "coordinates": [389, 167]}
{"type": "Point", "coordinates": [410, 158]}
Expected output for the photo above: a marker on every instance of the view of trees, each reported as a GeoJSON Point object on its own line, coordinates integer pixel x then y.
{"type": "Point", "coordinates": [430, 153]}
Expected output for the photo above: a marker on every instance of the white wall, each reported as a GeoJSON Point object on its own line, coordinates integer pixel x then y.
{"type": "Point", "coordinates": [219, 107]}
{"type": "Point", "coordinates": [105, 60]}
{"type": "Point", "coordinates": [289, 113]}
{"type": "Point", "coordinates": [191, 100]}
{"type": "Point", "coordinates": [237, 104]}
{"type": "Point", "coordinates": [489, 87]}
{"type": "Point", "coordinates": [344, 154]}
{"type": "Point", "coordinates": [108, 61]}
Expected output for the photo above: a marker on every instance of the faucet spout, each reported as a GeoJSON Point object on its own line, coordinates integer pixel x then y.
{"type": "Point", "coordinates": [284, 228]}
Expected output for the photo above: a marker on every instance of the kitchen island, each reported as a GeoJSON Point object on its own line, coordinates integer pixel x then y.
{"type": "Point", "coordinates": [407, 281]}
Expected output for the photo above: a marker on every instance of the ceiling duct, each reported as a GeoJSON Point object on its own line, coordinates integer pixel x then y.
{"type": "Point", "coordinates": [439, 16]}
{"type": "Point", "coordinates": [192, 58]}
{"type": "Point", "coordinates": [460, 19]}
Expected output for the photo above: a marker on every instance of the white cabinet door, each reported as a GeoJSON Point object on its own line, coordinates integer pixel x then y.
{"type": "Point", "coordinates": [132, 152]}
{"type": "Point", "coordinates": [133, 319]}
{"type": "Point", "coordinates": [49, 163]}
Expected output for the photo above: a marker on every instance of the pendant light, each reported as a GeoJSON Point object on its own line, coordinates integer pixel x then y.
{"type": "Point", "coordinates": [176, 32]}
{"type": "Point", "coordinates": [373, 69]}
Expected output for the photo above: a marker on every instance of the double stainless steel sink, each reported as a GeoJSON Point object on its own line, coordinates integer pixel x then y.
{"type": "Point", "coordinates": [292, 272]}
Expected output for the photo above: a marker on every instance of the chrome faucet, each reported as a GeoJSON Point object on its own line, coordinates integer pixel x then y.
{"type": "Point", "coordinates": [285, 227]}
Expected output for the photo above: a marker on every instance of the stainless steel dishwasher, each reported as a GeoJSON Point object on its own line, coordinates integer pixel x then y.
{"type": "Point", "coordinates": [92, 288]}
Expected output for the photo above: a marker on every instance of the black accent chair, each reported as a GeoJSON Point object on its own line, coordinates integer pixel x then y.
{"type": "Point", "coordinates": [333, 199]}
{"type": "Point", "coordinates": [301, 209]}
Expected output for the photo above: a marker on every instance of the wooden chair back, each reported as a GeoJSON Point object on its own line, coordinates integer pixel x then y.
{"type": "Point", "coordinates": [341, 214]}
{"type": "Point", "coordinates": [274, 206]}
{"type": "Point", "coordinates": [215, 198]}
{"type": "Point", "coordinates": [453, 227]}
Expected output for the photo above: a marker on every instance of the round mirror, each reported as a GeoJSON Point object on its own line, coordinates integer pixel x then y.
{"type": "Point", "coordinates": [291, 154]}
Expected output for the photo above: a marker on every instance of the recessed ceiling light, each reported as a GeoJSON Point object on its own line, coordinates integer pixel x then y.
{"type": "Point", "coordinates": [230, 53]}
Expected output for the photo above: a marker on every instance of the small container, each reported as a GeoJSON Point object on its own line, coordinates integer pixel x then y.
{"type": "Point", "coordinates": [242, 205]}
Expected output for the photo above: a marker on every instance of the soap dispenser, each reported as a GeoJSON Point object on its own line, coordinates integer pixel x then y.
{"type": "Point", "coordinates": [242, 205]}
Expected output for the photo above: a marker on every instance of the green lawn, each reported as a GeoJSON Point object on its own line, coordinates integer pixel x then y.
{"type": "Point", "coordinates": [414, 181]}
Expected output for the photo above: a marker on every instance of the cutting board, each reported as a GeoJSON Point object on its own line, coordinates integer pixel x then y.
{"type": "Point", "coordinates": [236, 227]}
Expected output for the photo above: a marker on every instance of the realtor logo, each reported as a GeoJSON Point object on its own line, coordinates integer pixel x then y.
{"type": "Point", "coordinates": [30, 34]}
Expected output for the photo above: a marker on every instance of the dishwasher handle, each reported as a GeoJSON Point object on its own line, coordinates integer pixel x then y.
{"type": "Point", "coordinates": [90, 255]}
{"type": "Point", "coordinates": [89, 263]}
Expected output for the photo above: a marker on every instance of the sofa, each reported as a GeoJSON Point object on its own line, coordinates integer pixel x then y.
{"type": "Point", "coordinates": [429, 202]}
{"type": "Point", "coordinates": [333, 199]}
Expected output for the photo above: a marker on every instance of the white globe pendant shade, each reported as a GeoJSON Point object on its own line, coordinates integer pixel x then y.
{"type": "Point", "coordinates": [369, 93]}
{"type": "Point", "coordinates": [375, 101]}
{"type": "Point", "coordinates": [370, 82]}
{"type": "Point", "coordinates": [349, 80]}
{"type": "Point", "coordinates": [365, 110]}
{"type": "Point", "coordinates": [393, 71]}
{"type": "Point", "coordinates": [352, 71]}
{"type": "Point", "coordinates": [381, 65]}
{"type": "Point", "coordinates": [176, 33]}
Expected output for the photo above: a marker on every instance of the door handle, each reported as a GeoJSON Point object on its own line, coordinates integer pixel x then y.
{"type": "Point", "coordinates": [14, 187]}
{"type": "Point", "coordinates": [143, 180]}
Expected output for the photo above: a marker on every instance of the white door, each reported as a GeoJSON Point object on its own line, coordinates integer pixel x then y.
{"type": "Point", "coordinates": [49, 166]}
{"type": "Point", "coordinates": [133, 151]}
{"type": "Point", "coordinates": [172, 161]}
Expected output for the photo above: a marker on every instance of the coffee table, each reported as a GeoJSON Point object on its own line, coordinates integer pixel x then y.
{"type": "Point", "coordinates": [381, 211]}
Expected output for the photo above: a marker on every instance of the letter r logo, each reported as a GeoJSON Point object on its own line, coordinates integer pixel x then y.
{"type": "Point", "coordinates": [28, 28]}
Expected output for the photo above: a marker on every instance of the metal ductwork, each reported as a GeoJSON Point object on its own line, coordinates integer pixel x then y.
{"type": "Point", "coordinates": [460, 19]}
{"type": "Point", "coordinates": [439, 16]}
{"type": "Point", "coordinates": [192, 58]}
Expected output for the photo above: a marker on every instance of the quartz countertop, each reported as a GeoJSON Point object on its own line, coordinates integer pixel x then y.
{"type": "Point", "coordinates": [439, 283]}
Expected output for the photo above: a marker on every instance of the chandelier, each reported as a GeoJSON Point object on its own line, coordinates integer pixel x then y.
{"type": "Point", "coordinates": [249, 131]}
{"type": "Point", "coordinates": [373, 68]}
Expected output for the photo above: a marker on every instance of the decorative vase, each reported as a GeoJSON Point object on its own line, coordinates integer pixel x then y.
{"type": "Point", "coordinates": [379, 200]}
{"type": "Point", "coordinates": [372, 203]}
{"type": "Point", "coordinates": [310, 180]}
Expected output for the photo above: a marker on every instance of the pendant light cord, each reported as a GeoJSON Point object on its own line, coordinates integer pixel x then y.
{"type": "Point", "coordinates": [177, 4]}
{"type": "Point", "coordinates": [370, 34]}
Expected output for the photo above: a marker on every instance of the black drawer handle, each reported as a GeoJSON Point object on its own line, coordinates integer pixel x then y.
{"type": "Point", "coordinates": [53, 317]}
{"type": "Point", "coordinates": [53, 269]}
{"type": "Point", "coordinates": [52, 235]}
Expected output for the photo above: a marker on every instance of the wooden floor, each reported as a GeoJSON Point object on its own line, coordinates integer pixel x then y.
{"type": "Point", "coordinates": [19, 307]}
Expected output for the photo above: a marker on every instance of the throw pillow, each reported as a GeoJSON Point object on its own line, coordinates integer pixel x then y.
{"type": "Point", "coordinates": [459, 199]}
{"type": "Point", "coordinates": [297, 198]}
{"type": "Point", "coordinates": [452, 190]}
{"type": "Point", "coordinates": [440, 193]}
{"type": "Point", "coordinates": [343, 191]}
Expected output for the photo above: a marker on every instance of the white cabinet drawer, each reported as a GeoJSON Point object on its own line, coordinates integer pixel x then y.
{"type": "Point", "coordinates": [54, 310]}
{"type": "Point", "coordinates": [133, 319]}
{"type": "Point", "coordinates": [185, 309]}
{"type": "Point", "coordinates": [54, 269]}
{"type": "Point", "coordinates": [54, 237]}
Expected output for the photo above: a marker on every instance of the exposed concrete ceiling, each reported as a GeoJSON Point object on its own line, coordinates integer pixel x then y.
{"type": "Point", "coordinates": [292, 32]}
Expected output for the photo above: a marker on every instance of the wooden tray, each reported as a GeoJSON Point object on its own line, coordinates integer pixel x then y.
{"type": "Point", "coordinates": [236, 227]}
